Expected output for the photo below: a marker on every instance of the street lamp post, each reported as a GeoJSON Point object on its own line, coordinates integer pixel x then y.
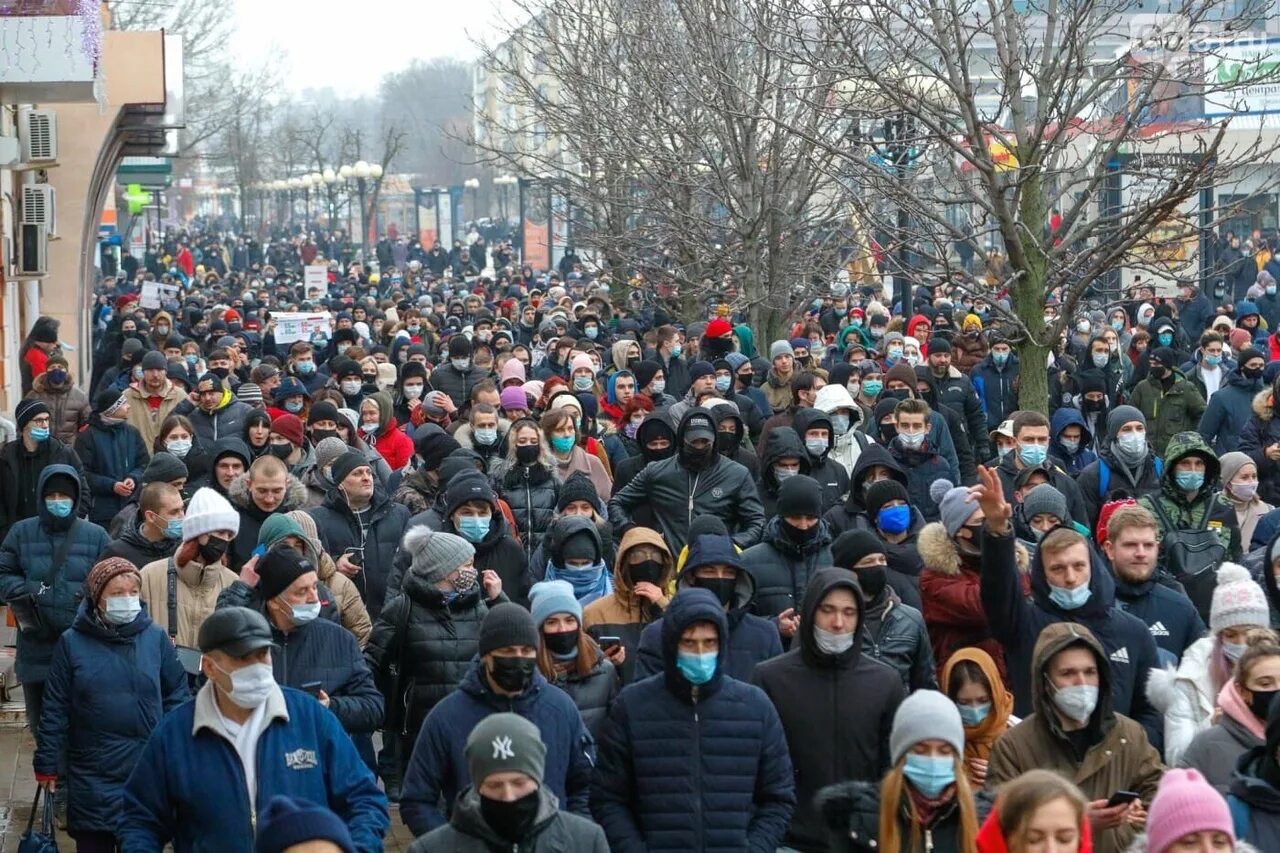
{"type": "Point", "coordinates": [361, 172]}
{"type": "Point", "coordinates": [330, 177]}
{"type": "Point", "coordinates": [504, 184]}
{"type": "Point", "coordinates": [473, 184]}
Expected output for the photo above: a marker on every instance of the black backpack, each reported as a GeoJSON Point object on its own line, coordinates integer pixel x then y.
{"type": "Point", "coordinates": [1192, 556]}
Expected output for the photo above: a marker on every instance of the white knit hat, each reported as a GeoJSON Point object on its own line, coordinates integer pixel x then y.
{"type": "Point", "coordinates": [1237, 600]}
{"type": "Point", "coordinates": [208, 511]}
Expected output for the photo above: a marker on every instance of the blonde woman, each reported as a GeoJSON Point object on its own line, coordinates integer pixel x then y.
{"type": "Point", "coordinates": [1038, 811]}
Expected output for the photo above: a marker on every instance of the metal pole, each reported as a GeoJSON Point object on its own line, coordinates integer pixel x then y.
{"type": "Point", "coordinates": [364, 226]}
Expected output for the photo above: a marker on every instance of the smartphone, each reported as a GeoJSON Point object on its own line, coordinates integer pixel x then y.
{"type": "Point", "coordinates": [314, 687]}
{"type": "Point", "coordinates": [609, 642]}
{"type": "Point", "coordinates": [354, 557]}
{"type": "Point", "coordinates": [1122, 797]}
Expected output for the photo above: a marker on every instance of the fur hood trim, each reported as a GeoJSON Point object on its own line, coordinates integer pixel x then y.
{"type": "Point", "coordinates": [1161, 690]}
{"type": "Point", "coordinates": [1262, 405]}
{"type": "Point", "coordinates": [295, 493]}
{"type": "Point", "coordinates": [940, 555]}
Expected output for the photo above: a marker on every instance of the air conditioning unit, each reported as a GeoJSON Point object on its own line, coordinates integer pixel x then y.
{"type": "Point", "coordinates": [38, 208]}
{"type": "Point", "coordinates": [33, 251]}
{"type": "Point", "coordinates": [38, 130]}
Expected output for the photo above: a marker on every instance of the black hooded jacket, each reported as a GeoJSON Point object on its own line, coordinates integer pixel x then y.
{"type": "Point", "coordinates": [728, 411]}
{"type": "Point", "coordinates": [830, 474]}
{"type": "Point", "coordinates": [655, 424]}
{"type": "Point", "coordinates": [849, 697]}
{"type": "Point", "coordinates": [781, 444]}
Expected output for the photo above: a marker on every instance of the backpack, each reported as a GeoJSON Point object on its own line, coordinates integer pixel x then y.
{"type": "Point", "coordinates": [1104, 475]}
{"type": "Point", "coordinates": [1192, 555]}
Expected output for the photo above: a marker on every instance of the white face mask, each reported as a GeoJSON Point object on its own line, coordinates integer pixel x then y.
{"type": "Point", "coordinates": [351, 387]}
{"type": "Point", "coordinates": [412, 392]}
{"type": "Point", "coordinates": [251, 685]}
{"type": "Point", "coordinates": [832, 644]}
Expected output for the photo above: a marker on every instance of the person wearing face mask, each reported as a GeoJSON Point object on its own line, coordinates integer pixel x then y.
{"type": "Point", "coordinates": [1032, 434]}
{"type": "Point", "coordinates": [379, 429]}
{"type": "Point", "coordinates": [114, 675]}
{"type": "Point", "coordinates": [738, 749]}
{"type": "Point", "coordinates": [24, 461]}
{"type": "Point", "coordinates": [695, 481]}
{"type": "Point", "coordinates": [1071, 442]}
{"type": "Point", "coordinates": [113, 456]}
{"type": "Point", "coordinates": [795, 543]}
{"type": "Point", "coordinates": [1075, 725]}
{"type": "Point", "coordinates": [508, 802]}
{"type": "Point", "coordinates": [1240, 490]}
{"type": "Point", "coordinates": [154, 530]}
{"type": "Point", "coordinates": [1232, 405]}
{"type": "Point", "coordinates": [1166, 399]}
{"type": "Point", "coordinates": [1261, 440]}
{"type": "Point", "coordinates": [848, 439]}
{"type": "Point", "coordinates": [458, 375]}
{"type": "Point", "coordinates": [1126, 467]}
{"type": "Point", "coordinates": [575, 554]}
{"type": "Point", "coordinates": [503, 676]}
{"type": "Point", "coordinates": [911, 449]}
{"type": "Point", "coordinates": [471, 511]}
{"type": "Point", "coordinates": [241, 743]}
{"type": "Point", "coordinates": [68, 404]}
{"type": "Point", "coordinates": [1069, 584]}
{"type": "Point", "coordinates": [1188, 697]}
{"type": "Point", "coordinates": [568, 656]}
{"type": "Point", "coordinates": [924, 802]}
{"type": "Point", "coordinates": [972, 681]}
{"type": "Point", "coordinates": [995, 381]}
{"type": "Point", "coordinates": [815, 430]}
{"type": "Point", "coordinates": [731, 437]}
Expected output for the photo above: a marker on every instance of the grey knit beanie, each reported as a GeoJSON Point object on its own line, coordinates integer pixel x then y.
{"type": "Point", "coordinates": [328, 450]}
{"type": "Point", "coordinates": [1045, 499]}
{"type": "Point", "coordinates": [955, 505]}
{"type": "Point", "coordinates": [505, 743]}
{"type": "Point", "coordinates": [1229, 464]}
{"type": "Point", "coordinates": [925, 715]}
{"type": "Point", "coordinates": [778, 348]}
{"type": "Point", "coordinates": [435, 554]}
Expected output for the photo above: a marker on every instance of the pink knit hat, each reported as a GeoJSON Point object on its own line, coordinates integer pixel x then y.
{"type": "Point", "coordinates": [1185, 803]}
{"type": "Point", "coordinates": [580, 361]}
{"type": "Point", "coordinates": [513, 369]}
{"type": "Point", "coordinates": [513, 399]}
{"type": "Point", "coordinates": [1239, 338]}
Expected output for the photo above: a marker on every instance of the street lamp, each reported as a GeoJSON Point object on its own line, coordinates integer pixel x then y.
{"type": "Point", "coordinates": [473, 184]}
{"type": "Point", "coordinates": [504, 184]}
{"type": "Point", "coordinates": [362, 171]}
{"type": "Point", "coordinates": [330, 178]}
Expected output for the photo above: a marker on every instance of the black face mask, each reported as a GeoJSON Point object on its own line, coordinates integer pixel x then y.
{"type": "Point", "coordinates": [897, 394]}
{"type": "Point", "coordinates": [527, 454]}
{"type": "Point", "coordinates": [721, 588]}
{"type": "Point", "coordinates": [280, 451]}
{"type": "Point", "coordinates": [512, 820]}
{"type": "Point", "coordinates": [695, 459]}
{"type": "Point", "coordinates": [632, 362]}
{"type": "Point", "coordinates": [514, 675]}
{"type": "Point", "coordinates": [649, 571]}
{"type": "Point", "coordinates": [1260, 704]}
{"type": "Point", "coordinates": [872, 580]}
{"type": "Point", "coordinates": [1251, 373]}
{"type": "Point", "coordinates": [971, 547]}
{"type": "Point", "coordinates": [220, 372]}
{"type": "Point", "coordinates": [212, 551]}
{"type": "Point", "coordinates": [798, 535]}
{"type": "Point", "coordinates": [1093, 405]}
{"type": "Point", "coordinates": [563, 643]}
{"type": "Point", "coordinates": [726, 443]}
{"type": "Point", "coordinates": [319, 435]}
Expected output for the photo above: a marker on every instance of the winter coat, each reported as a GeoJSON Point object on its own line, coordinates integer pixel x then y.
{"type": "Point", "coordinates": [110, 454]}
{"type": "Point", "coordinates": [851, 514]}
{"type": "Point", "coordinates": [957, 393]}
{"type": "Point", "coordinates": [226, 421]}
{"type": "Point", "coordinates": [68, 406]}
{"type": "Point", "coordinates": [1058, 478]}
{"type": "Point", "coordinates": [1120, 485]}
{"type": "Point", "coordinates": [393, 445]}
{"type": "Point", "coordinates": [196, 588]}
{"type": "Point", "coordinates": [1072, 463]}
{"type": "Point", "coordinates": [780, 444]}
{"type": "Point", "coordinates": [1120, 757]}
{"type": "Point", "coordinates": [138, 549]}
{"type": "Point", "coordinates": [374, 534]}
{"type": "Point", "coordinates": [458, 384]}
{"type": "Point", "coordinates": [553, 831]}
{"type": "Point", "coordinates": [532, 493]}
{"type": "Point", "coordinates": [997, 388]}
{"type": "Point", "coordinates": [1168, 412]}
{"type": "Point", "coordinates": [148, 420]}
{"type": "Point", "coordinates": [1262, 431]}
{"type": "Point", "coordinates": [678, 495]}
{"type": "Point", "coordinates": [950, 590]}
{"type": "Point", "coordinates": [622, 613]}
{"type": "Point", "coordinates": [684, 767]}
{"type": "Point", "coordinates": [414, 491]}
{"type": "Point", "coordinates": [252, 517]}
{"type": "Point", "coordinates": [438, 768]}
{"type": "Point", "coordinates": [107, 689]}
{"type": "Point", "coordinates": [923, 467]}
{"type": "Point", "coordinates": [21, 474]}
{"type": "Point", "coordinates": [1216, 751]}
{"type": "Point", "coordinates": [26, 568]}
{"type": "Point", "coordinates": [1017, 620]}
{"type": "Point", "coordinates": [1186, 697]}
{"type": "Point", "coordinates": [188, 785]}
{"type": "Point", "coordinates": [1261, 801]}
{"type": "Point", "coordinates": [900, 640]}
{"type": "Point", "coordinates": [1228, 411]}
{"type": "Point", "coordinates": [968, 350]}
{"type": "Point", "coordinates": [851, 815]}
{"type": "Point", "coordinates": [830, 474]}
{"type": "Point", "coordinates": [593, 693]}
{"type": "Point", "coordinates": [777, 391]}
{"type": "Point", "coordinates": [782, 567]}
{"type": "Point", "coordinates": [1166, 611]}
{"type": "Point", "coordinates": [850, 697]}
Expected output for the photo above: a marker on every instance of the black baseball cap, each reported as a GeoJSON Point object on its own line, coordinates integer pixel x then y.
{"type": "Point", "coordinates": [236, 631]}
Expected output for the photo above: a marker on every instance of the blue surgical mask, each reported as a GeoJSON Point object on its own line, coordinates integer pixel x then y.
{"type": "Point", "coordinates": [562, 443]}
{"type": "Point", "coordinates": [930, 774]}
{"type": "Point", "coordinates": [912, 440]}
{"type": "Point", "coordinates": [304, 613]}
{"type": "Point", "coordinates": [840, 424]}
{"type": "Point", "coordinates": [179, 447]}
{"type": "Point", "coordinates": [1069, 599]}
{"type": "Point", "coordinates": [306, 368]}
{"type": "Point", "coordinates": [1070, 445]}
{"type": "Point", "coordinates": [723, 383]}
{"type": "Point", "coordinates": [1118, 325]}
{"type": "Point", "coordinates": [1189, 481]}
{"type": "Point", "coordinates": [999, 359]}
{"type": "Point", "coordinates": [485, 436]}
{"type": "Point", "coordinates": [697, 668]}
{"type": "Point", "coordinates": [1213, 360]}
{"type": "Point", "coordinates": [894, 519]}
{"type": "Point", "coordinates": [121, 609]}
{"type": "Point", "coordinates": [59, 507]}
{"type": "Point", "coordinates": [474, 528]}
{"type": "Point", "coordinates": [192, 359]}
{"type": "Point", "coordinates": [1032, 454]}
{"type": "Point", "coordinates": [40, 433]}
{"type": "Point", "coordinates": [582, 383]}
{"type": "Point", "coordinates": [816, 446]}
{"type": "Point", "coordinates": [293, 406]}
{"type": "Point", "coordinates": [1165, 338]}
{"type": "Point", "coordinates": [677, 350]}
{"type": "Point", "coordinates": [593, 332]}
{"type": "Point", "coordinates": [872, 388]}
{"type": "Point", "coordinates": [973, 715]}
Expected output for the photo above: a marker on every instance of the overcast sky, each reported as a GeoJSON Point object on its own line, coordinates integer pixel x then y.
{"type": "Point", "coordinates": [350, 46]}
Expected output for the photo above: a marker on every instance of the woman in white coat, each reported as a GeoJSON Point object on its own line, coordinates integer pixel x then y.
{"type": "Point", "coordinates": [1187, 695]}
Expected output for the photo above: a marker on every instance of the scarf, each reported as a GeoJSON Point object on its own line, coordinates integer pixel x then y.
{"type": "Point", "coordinates": [927, 809]}
{"type": "Point", "coordinates": [1231, 703]}
{"type": "Point", "coordinates": [588, 584]}
{"type": "Point", "coordinates": [979, 739]}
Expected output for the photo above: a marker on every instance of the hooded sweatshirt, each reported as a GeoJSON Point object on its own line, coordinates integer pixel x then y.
{"type": "Point", "coordinates": [979, 739]}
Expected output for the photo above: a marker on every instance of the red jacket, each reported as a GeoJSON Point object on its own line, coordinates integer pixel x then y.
{"type": "Point", "coordinates": [393, 444]}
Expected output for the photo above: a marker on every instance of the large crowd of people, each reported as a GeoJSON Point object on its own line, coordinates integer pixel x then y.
{"type": "Point", "coordinates": [540, 560]}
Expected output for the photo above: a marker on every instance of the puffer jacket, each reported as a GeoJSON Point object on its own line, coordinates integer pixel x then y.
{"type": "Point", "coordinates": [431, 640]}
{"type": "Point", "coordinates": [678, 495]}
{"type": "Point", "coordinates": [968, 349]}
{"type": "Point", "coordinates": [1262, 431]}
{"type": "Point", "coordinates": [107, 689]}
{"type": "Point", "coordinates": [997, 388]}
{"type": "Point", "coordinates": [781, 443]}
{"type": "Point", "coordinates": [1228, 411]}
{"type": "Point", "coordinates": [849, 697]}
{"type": "Point", "coordinates": [553, 831]}
{"type": "Point", "coordinates": [851, 815]}
{"type": "Point", "coordinates": [456, 383]}
{"type": "Point", "coordinates": [1119, 758]}
{"type": "Point", "coordinates": [111, 454]}
{"type": "Point", "coordinates": [621, 613]}
{"type": "Point", "coordinates": [950, 592]}
{"type": "Point", "coordinates": [684, 767]}
{"type": "Point", "coordinates": [226, 421]}
{"type": "Point", "coordinates": [782, 567]}
{"type": "Point", "coordinates": [532, 492]}
{"type": "Point", "coordinates": [1168, 412]}
{"type": "Point", "coordinates": [26, 565]}
{"type": "Point", "coordinates": [1119, 484]}
{"type": "Point", "coordinates": [68, 406]}
{"type": "Point", "coordinates": [375, 535]}
{"type": "Point", "coordinates": [138, 549]}
{"type": "Point", "coordinates": [1185, 697]}
{"type": "Point", "coordinates": [593, 693]}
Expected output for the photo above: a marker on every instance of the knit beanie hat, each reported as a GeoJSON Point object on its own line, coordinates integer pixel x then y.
{"type": "Point", "coordinates": [459, 346]}
{"type": "Point", "coordinates": [904, 373]}
{"type": "Point", "coordinates": [699, 369]}
{"type": "Point", "coordinates": [287, 822]}
{"type": "Point", "coordinates": [345, 464]}
{"type": "Point", "coordinates": [28, 409]}
{"type": "Point", "coordinates": [289, 427]}
{"type": "Point", "coordinates": [1229, 464]}
{"type": "Point", "coordinates": [880, 493]}
{"type": "Point", "coordinates": [107, 401]}
{"type": "Point", "coordinates": [1121, 415]}
{"type": "Point", "coordinates": [154, 360]}
{"type": "Point", "coordinates": [208, 511]}
{"type": "Point", "coordinates": [248, 392]}
{"type": "Point", "coordinates": [505, 743]}
{"type": "Point", "coordinates": [328, 450]}
{"type": "Point", "coordinates": [925, 715]}
{"type": "Point", "coordinates": [164, 467]}
{"type": "Point", "coordinates": [550, 597]}
{"type": "Point", "coordinates": [954, 504]}
{"type": "Point", "coordinates": [102, 573]}
{"type": "Point", "coordinates": [852, 545]}
{"type": "Point", "coordinates": [578, 488]}
{"type": "Point", "coordinates": [778, 348]}
{"type": "Point", "coordinates": [582, 361]}
{"type": "Point", "coordinates": [705, 525]}
{"type": "Point", "coordinates": [322, 411]}
{"type": "Point", "coordinates": [435, 554]}
{"type": "Point", "coordinates": [507, 624]}
{"type": "Point", "coordinates": [277, 526]}
{"type": "Point", "coordinates": [1237, 600]}
{"type": "Point", "coordinates": [463, 489]}
{"type": "Point", "coordinates": [799, 495]}
{"type": "Point", "coordinates": [278, 569]}
{"type": "Point", "coordinates": [1044, 499]}
{"type": "Point", "coordinates": [1184, 803]}
{"type": "Point", "coordinates": [513, 398]}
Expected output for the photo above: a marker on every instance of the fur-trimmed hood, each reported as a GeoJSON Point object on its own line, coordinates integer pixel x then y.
{"type": "Point", "coordinates": [1262, 406]}
{"type": "Point", "coordinates": [295, 494]}
{"type": "Point", "coordinates": [940, 555]}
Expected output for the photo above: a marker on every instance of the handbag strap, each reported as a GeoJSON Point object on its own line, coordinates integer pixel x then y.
{"type": "Point", "coordinates": [46, 816]}
{"type": "Point", "coordinates": [60, 555]}
{"type": "Point", "coordinates": [172, 594]}
{"type": "Point", "coordinates": [35, 807]}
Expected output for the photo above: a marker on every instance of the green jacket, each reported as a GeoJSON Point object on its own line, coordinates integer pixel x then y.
{"type": "Point", "coordinates": [1167, 412]}
{"type": "Point", "coordinates": [1189, 514]}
